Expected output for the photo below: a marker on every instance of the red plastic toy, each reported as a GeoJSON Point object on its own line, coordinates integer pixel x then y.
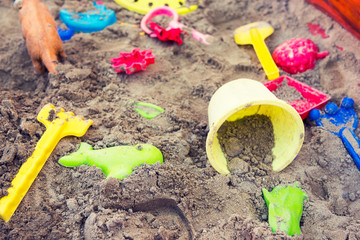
{"type": "Point", "coordinates": [312, 98]}
{"type": "Point", "coordinates": [297, 55]}
{"type": "Point", "coordinates": [316, 29]}
{"type": "Point", "coordinates": [134, 61]}
{"type": "Point", "coordinates": [173, 24]}
{"type": "Point", "coordinates": [345, 12]}
{"type": "Point", "coordinates": [173, 34]}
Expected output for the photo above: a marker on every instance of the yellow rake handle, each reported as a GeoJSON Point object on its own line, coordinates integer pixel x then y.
{"type": "Point", "coordinates": [63, 124]}
{"type": "Point", "coordinates": [263, 54]}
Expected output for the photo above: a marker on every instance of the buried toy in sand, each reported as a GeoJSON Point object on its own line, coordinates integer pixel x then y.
{"type": "Point", "coordinates": [58, 125]}
{"type": "Point", "coordinates": [285, 208]}
{"type": "Point", "coordinates": [117, 162]}
{"type": "Point", "coordinates": [147, 110]}
{"type": "Point", "coordinates": [40, 32]}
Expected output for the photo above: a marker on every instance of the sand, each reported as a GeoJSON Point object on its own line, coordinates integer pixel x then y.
{"type": "Point", "coordinates": [184, 198]}
{"type": "Point", "coordinates": [288, 93]}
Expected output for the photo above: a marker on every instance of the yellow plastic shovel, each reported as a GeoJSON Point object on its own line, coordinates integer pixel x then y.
{"type": "Point", "coordinates": [254, 34]}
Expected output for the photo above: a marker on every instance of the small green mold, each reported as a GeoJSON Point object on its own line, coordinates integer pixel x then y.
{"type": "Point", "coordinates": [147, 110]}
{"type": "Point", "coordinates": [285, 206]}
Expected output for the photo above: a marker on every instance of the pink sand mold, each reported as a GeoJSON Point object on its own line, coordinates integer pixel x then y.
{"type": "Point", "coordinates": [134, 61]}
{"type": "Point", "coordinates": [173, 24]}
{"type": "Point", "coordinates": [314, 99]}
{"type": "Point", "coordinates": [297, 55]}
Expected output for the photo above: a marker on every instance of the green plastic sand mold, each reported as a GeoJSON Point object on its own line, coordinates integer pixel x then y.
{"type": "Point", "coordinates": [117, 162]}
{"type": "Point", "coordinates": [147, 110]}
{"type": "Point", "coordinates": [285, 208]}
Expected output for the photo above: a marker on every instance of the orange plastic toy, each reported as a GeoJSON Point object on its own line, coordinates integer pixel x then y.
{"type": "Point", "coordinates": [42, 40]}
{"type": "Point", "coordinates": [345, 12]}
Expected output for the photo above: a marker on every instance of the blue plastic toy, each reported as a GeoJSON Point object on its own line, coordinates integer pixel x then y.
{"type": "Point", "coordinates": [90, 21]}
{"type": "Point", "coordinates": [65, 34]}
{"type": "Point", "coordinates": [342, 122]}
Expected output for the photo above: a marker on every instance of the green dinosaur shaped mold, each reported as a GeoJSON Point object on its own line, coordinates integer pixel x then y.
{"type": "Point", "coordinates": [117, 162]}
{"type": "Point", "coordinates": [285, 208]}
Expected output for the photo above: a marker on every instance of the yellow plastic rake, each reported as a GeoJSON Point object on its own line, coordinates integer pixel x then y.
{"type": "Point", "coordinates": [58, 125]}
{"type": "Point", "coordinates": [254, 34]}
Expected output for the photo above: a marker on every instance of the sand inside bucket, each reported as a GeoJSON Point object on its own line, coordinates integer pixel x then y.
{"type": "Point", "coordinates": [250, 138]}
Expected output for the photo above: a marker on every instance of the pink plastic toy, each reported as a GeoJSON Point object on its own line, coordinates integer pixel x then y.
{"type": "Point", "coordinates": [316, 29]}
{"type": "Point", "coordinates": [133, 62]}
{"type": "Point", "coordinates": [165, 35]}
{"type": "Point", "coordinates": [173, 24]}
{"type": "Point", "coordinates": [312, 98]}
{"type": "Point", "coordinates": [297, 55]}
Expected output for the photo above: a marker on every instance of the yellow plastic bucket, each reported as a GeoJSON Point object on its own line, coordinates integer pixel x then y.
{"type": "Point", "coordinates": [243, 97]}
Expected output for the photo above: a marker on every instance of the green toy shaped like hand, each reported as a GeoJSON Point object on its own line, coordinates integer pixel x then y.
{"type": "Point", "coordinates": [117, 162]}
{"type": "Point", "coordinates": [285, 208]}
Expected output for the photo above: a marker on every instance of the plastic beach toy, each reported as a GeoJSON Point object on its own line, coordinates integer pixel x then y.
{"type": "Point", "coordinates": [254, 34]}
{"type": "Point", "coordinates": [42, 40]}
{"type": "Point", "coordinates": [134, 61]}
{"type": "Point", "coordinates": [65, 34]}
{"type": "Point", "coordinates": [58, 125]}
{"type": "Point", "coordinates": [144, 6]}
{"type": "Point", "coordinates": [285, 206]}
{"type": "Point", "coordinates": [90, 21]}
{"type": "Point", "coordinates": [297, 55]}
{"type": "Point", "coordinates": [147, 110]}
{"type": "Point", "coordinates": [342, 122]}
{"type": "Point", "coordinates": [173, 24]}
{"type": "Point", "coordinates": [316, 29]}
{"type": "Point", "coordinates": [117, 162]}
{"type": "Point", "coordinates": [312, 98]}
{"type": "Point", "coordinates": [345, 12]}
{"type": "Point", "coordinates": [172, 34]}
{"type": "Point", "coordinates": [245, 97]}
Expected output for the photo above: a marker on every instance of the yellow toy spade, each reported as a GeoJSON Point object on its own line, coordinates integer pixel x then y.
{"type": "Point", "coordinates": [58, 125]}
{"type": "Point", "coordinates": [254, 34]}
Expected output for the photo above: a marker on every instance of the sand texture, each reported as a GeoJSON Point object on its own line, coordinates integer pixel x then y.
{"type": "Point", "coordinates": [183, 198]}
